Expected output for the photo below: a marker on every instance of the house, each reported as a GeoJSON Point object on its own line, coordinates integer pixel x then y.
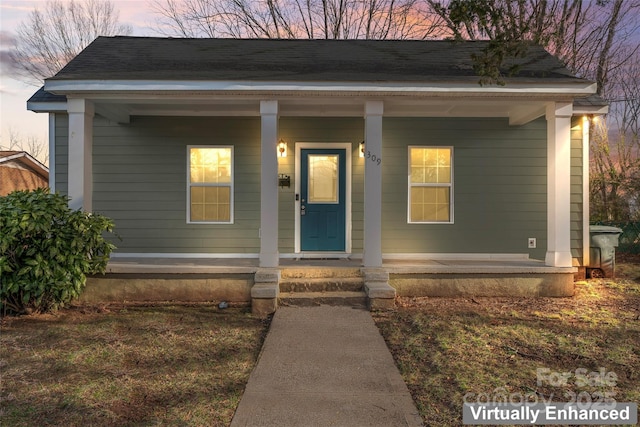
{"type": "Point", "coordinates": [227, 156]}
{"type": "Point", "coordinates": [20, 171]}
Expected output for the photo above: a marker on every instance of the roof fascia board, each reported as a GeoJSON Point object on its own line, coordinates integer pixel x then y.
{"type": "Point", "coordinates": [595, 110]}
{"type": "Point", "coordinates": [64, 87]}
{"type": "Point", "coordinates": [47, 107]}
{"type": "Point", "coordinates": [12, 157]}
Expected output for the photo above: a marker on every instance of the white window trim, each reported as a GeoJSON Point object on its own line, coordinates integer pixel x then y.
{"type": "Point", "coordinates": [231, 185]}
{"type": "Point", "coordinates": [450, 185]}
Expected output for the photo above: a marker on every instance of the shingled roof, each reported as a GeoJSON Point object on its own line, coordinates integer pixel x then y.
{"type": "Point", "coordinates": [43, 96]}
{"type": "Point", "coordinates": [145, 58]}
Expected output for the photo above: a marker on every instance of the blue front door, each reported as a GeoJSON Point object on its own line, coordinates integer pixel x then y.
{"type": "Point", "coordinates": [322, 199]}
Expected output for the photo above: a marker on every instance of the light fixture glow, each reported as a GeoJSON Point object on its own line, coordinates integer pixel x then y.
{"type": "Point", "coordinates": [282, 148]}
{"type": "Point", "coordinates": [361, 149]}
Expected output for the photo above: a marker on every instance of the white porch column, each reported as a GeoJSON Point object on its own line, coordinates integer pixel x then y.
{"type": "Point", "coordinates": [80, 173]}
{"type": "Point", "coordinates": [372, 256]}
{"type": "Point", "coordinates": [52, 152]}
{"type": "Point", "coordinates": [586, 213]}
{"type": "Point", "coordinates": [269, 185]}
{"type": "Point", "coordinates": [559, 184]}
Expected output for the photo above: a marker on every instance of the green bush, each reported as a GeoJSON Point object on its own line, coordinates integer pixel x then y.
{"type": "Point", "coordinates": [46, 251]}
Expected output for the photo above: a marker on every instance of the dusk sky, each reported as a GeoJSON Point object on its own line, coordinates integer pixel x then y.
{"type": "Point", "coordinates": [14, 94]}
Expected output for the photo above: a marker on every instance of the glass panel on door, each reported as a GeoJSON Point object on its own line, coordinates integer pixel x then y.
{"type": "Point", "coordinates": [323, 178]}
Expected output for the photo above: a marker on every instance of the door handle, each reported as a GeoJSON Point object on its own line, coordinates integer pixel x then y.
{"type": "Point", "coordinates": [303, 210]}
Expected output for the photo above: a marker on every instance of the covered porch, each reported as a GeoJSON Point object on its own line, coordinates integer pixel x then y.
{"type": "Point", "coordinates": [266, 276]}
{"type": "Point", "coordinates": [558, 189]}
{"type": "Point", "coordinates": [368, 277]}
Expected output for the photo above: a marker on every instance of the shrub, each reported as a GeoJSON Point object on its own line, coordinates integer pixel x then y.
{"type": "Point", "coordinates": [46, 251]}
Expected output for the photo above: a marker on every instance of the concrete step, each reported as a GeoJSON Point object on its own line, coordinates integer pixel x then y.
{"type": "Point", "coordinates": [309, 299]}
{"type": "Point", "coordinates": [325, 284]}
{"type": "Point", "coordinates": [319, 272]}
{"type": "Point", "coordinates": [314, 286]}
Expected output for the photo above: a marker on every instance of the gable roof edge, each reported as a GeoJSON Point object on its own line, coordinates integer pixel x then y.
{"type": "Point", "coordinates": [29, 160]}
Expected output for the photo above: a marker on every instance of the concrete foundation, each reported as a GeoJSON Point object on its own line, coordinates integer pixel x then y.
{"type": "Point", "coordinates": [167, 287]}
{"type": "Point", "coordinates": [192, 280]}
{"type": "Point", "coordinates": [483, 285]}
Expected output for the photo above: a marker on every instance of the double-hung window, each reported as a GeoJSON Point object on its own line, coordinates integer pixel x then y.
{"type": "Point", "coordinates": [430, 185]}
{"type": "Point", "coordinates": [210, 185]}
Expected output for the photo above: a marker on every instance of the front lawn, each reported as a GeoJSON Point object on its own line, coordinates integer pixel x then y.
{"type": "Point", "coordinates": [486, 349]}
{"type": "Point", "coordinates": [164, 365]}
{"type": "Point", "coordinates": [188, 365]}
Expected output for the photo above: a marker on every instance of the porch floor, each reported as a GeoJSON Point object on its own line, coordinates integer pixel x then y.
{"type": "Point", "coordinates": [122, 265]}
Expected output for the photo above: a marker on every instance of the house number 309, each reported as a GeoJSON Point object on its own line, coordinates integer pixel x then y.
{"type": "Point", "coordinates": [373, 158]}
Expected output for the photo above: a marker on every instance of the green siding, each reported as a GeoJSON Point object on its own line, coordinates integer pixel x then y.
{"type": "Point", "coordinates": [499, 186]}
{"type": "Point", "coordinates": [61, 152]}
{"type": "Point", "coordinates": [140, 181]}
{"type": "Point", "coordinates": [577, 205]}
{"type": "Point", "coordinates": [499, 182]}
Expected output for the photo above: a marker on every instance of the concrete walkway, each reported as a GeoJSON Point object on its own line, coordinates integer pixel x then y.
{"type": "Point", "coordinates": [325, 366]}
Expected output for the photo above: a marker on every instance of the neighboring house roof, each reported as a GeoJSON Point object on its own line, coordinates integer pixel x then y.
{"type": "Point", "coordinates": [144, 58]}
{"type": "Point", "coordinates": [26, 159]}
{"type": "Point", "coordinates": [20, 171]}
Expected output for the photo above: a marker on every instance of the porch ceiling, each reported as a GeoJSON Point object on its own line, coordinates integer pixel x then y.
{"type": "Point", "coordinates": [518, 110]}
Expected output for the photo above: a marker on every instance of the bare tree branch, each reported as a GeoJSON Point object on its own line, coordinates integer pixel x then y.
{"type": "Point", "coordinates": [53, 35]}
{"type": "Point", "coordinates": [333, 19]}
{"type": "Point", "coordinates": [36, 147]}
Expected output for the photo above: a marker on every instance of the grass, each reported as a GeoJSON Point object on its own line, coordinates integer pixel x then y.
{"type": "Point", "coordinates": [165, 365]}
{"type": "Point", "coordinates": [492, 349]}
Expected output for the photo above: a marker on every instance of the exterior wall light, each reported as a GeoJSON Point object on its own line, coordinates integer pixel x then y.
{"type": "Point", "coordinates": [361, 149]}
{"type": "Point", "coordinates": [282, 148]}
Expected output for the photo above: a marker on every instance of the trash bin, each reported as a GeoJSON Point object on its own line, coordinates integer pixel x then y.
{"type": "Point", "coordinates": [604, 240]}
